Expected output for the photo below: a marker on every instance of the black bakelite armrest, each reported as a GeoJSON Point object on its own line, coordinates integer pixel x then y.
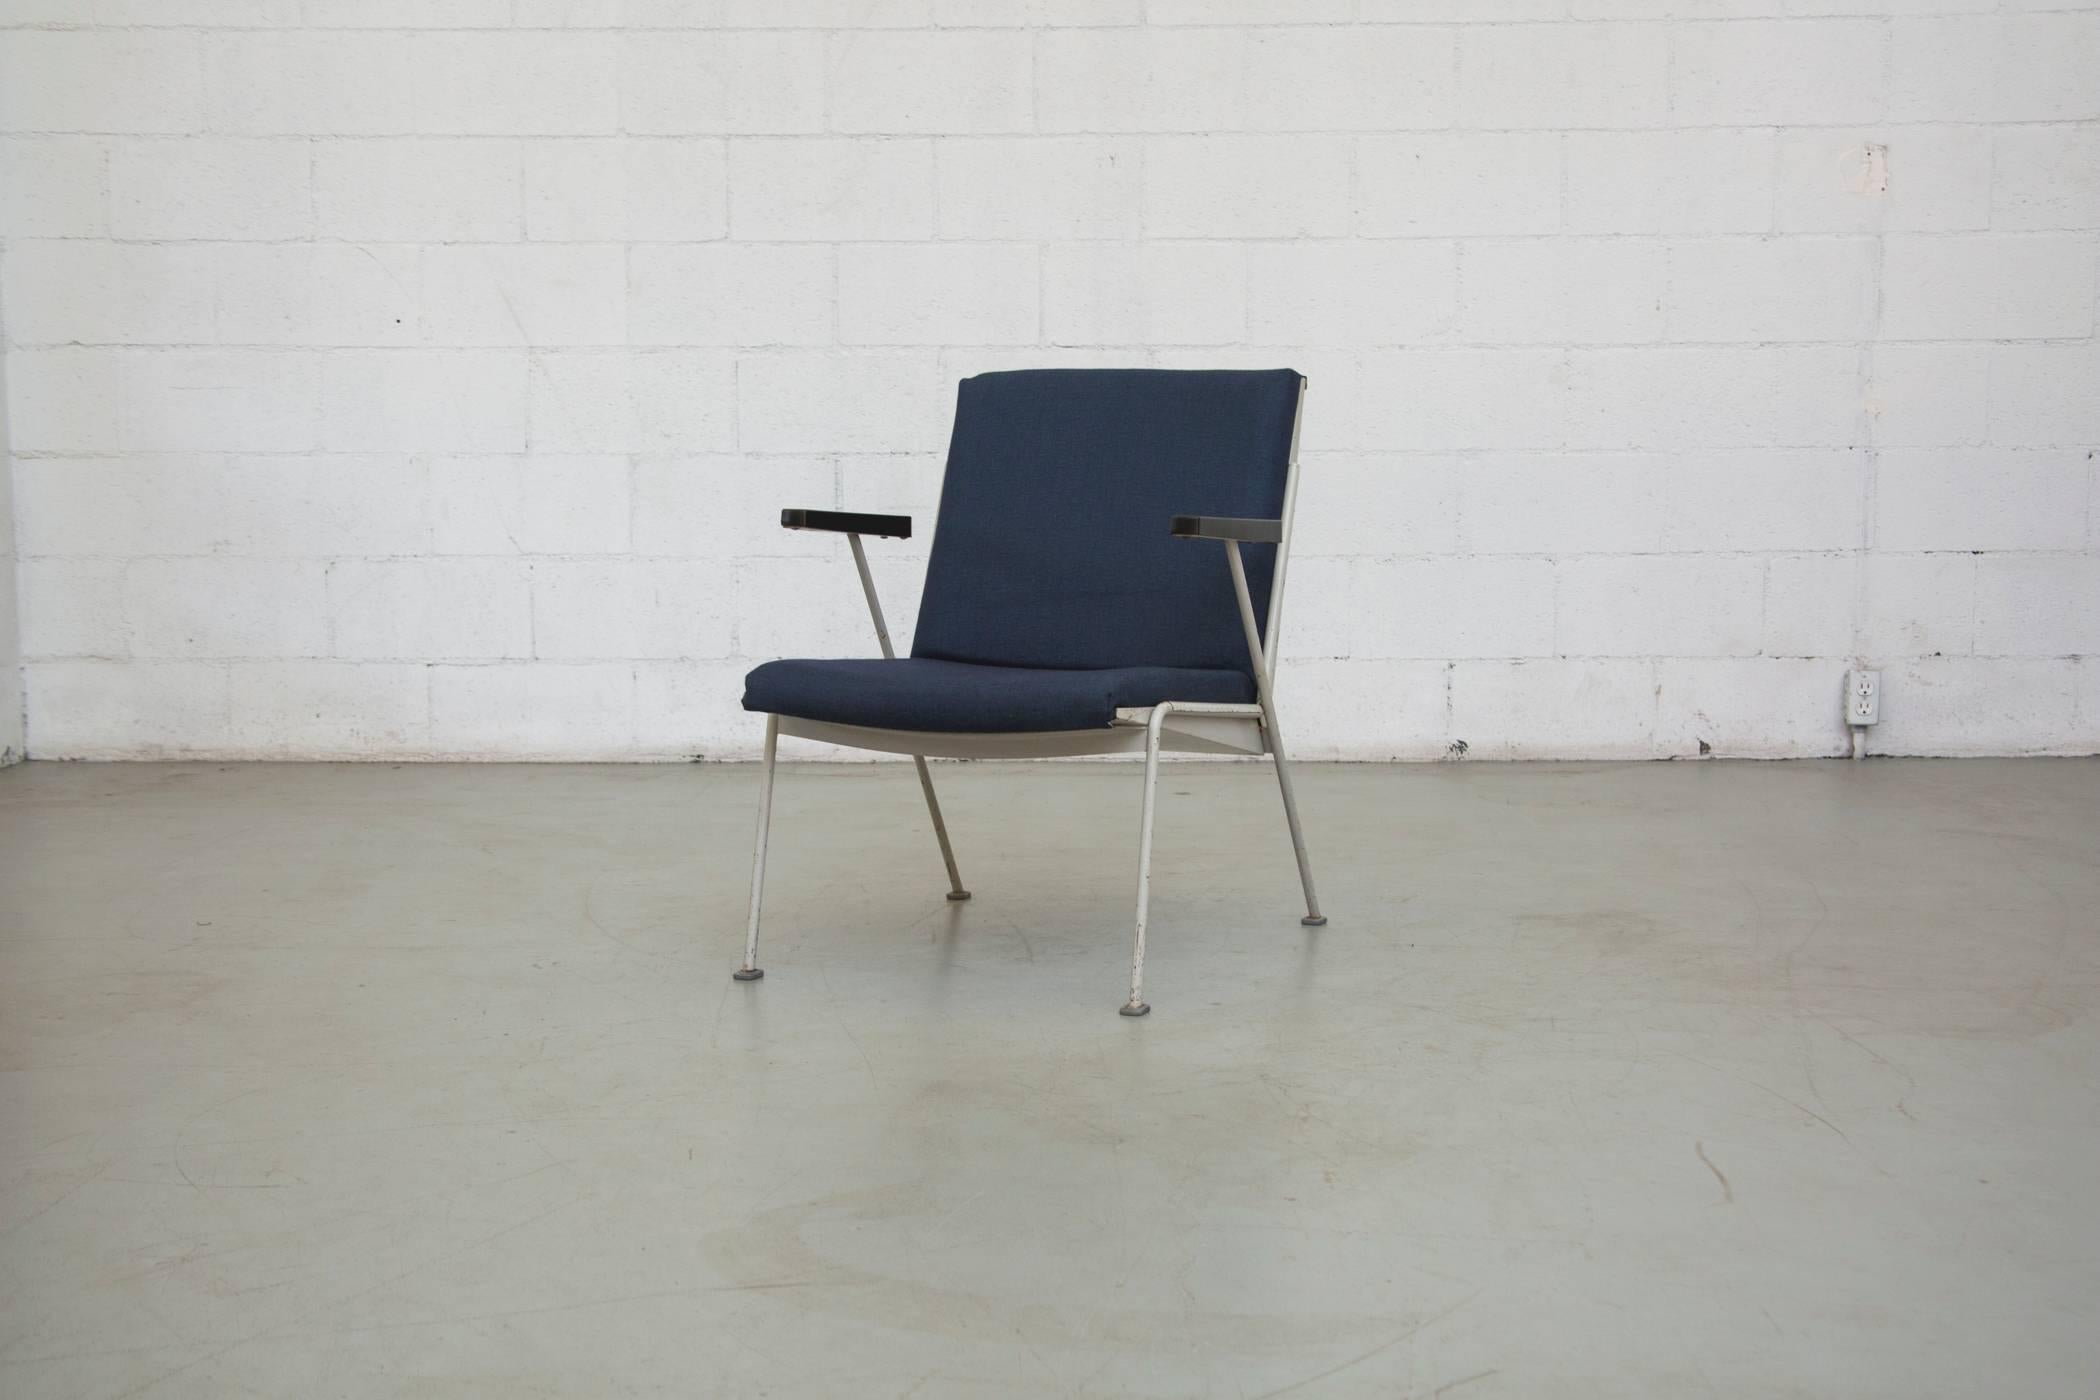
{"type": "Point", "coordinates": [848, 522]}
{"type": "Point", "coordinates": [1227, 527]}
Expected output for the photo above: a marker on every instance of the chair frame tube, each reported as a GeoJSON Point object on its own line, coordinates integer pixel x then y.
{"type": "Point", "coordinates": [751, 971]}
{"type": "Point", "coordinates": [956, 892]}
{"type": "Point", "coordinates": [1264, 665]}
{"type": "Point", "coordinates": [1136, 1005]}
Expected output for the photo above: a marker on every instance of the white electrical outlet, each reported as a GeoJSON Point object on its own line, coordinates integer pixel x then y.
{"type": "Point", "coordinates": [1863, 697]}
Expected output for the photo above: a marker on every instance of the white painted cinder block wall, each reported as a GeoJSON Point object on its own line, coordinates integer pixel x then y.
{"type": "Point", "coordinates": [407, 378]}
{"type": "Point", "coordinates": [11, 714]}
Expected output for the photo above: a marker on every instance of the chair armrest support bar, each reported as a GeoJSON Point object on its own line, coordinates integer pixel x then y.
{"type": "Point", "coordinates": [848, 522]}
{"type": "Point", "coordinates": [1226, 527]}
{"type": "Point", "coordinates": [867, 586]}
{"type": "Point", "coordinates": [1257, 654]}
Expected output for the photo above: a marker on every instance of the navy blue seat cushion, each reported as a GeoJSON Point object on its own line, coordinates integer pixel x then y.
{"type": "Point", "coordinates": [1051, 548]}
{"type": "Point", "coordinates": [955, 697]}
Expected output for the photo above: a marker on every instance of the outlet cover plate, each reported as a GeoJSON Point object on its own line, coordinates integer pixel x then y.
{"type": "Point", "coordinates": [1863, 697]}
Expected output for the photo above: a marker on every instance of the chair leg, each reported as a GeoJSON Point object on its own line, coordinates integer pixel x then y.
{"type": "Point", "coordinates": [1313, 916]}
{"type": "Point", "coordinates": [940, 831]}
{"type": "Point", "coordinates": [1258, 654]}
{"type": "Point", "coordinates": [882, 636]}
{"type": "Point", "coordinates": [751, 971]}
{"type": "Point", "coordinates": [1136, 1005]}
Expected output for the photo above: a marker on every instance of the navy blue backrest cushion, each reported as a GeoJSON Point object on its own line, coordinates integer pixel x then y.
{"type": "Point", "coordinates": [1052, 548]}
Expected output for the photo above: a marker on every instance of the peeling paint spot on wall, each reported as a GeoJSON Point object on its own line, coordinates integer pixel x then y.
{"type": "Point", "coordinates": [1868, 169]}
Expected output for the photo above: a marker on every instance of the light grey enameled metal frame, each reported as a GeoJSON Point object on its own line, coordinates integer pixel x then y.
{"type": "Point", "coordinates": [1172, 726]}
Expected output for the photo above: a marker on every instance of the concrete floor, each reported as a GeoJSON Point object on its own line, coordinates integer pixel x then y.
{"type": "Point", "coordinates": [1606, 1080]}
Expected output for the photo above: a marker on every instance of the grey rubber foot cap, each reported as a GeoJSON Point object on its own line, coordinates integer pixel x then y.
{"type": "Point", "coordinates": [958, 896]}
{"type": "Point", "coordinates": [748, 974]}
{"type": "Point", "coordinates": [1134, 1008]}
{"type": "Point", "coordinates": [1313, 920]}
